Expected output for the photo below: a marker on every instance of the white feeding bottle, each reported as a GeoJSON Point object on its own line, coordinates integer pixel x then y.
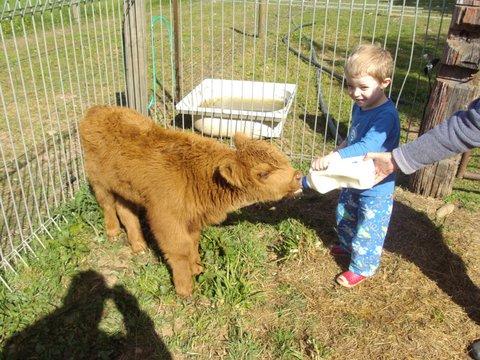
{"type": "Point", "coordinates": [354, 172]}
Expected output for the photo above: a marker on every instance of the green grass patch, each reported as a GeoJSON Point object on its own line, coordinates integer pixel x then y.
{"type": "Point", "coordinates": [466, 193]}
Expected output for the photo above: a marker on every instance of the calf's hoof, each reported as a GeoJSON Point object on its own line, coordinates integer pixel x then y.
{"type": "Point", "coordinates": [138, 247]}
{"type": "Point", "coordinates": [183, 292]}
{"type": "Point", "coordinates": [117, 236]}
{"type": "Point", "coordinates": [183, 288]}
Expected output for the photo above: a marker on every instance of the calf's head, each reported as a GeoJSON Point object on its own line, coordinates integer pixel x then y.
{"type": "Point", "coordinates": [260, 169]}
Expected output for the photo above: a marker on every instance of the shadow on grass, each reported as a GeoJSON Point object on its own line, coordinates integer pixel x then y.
{"type": "Point", "coordinates": [183, 121]}
{"type": "Point", "coordinates": [412, 235]}
{"type": "Point", "coordinates": [72, 331]}
{"type": "Point", "coordinates": [239, 31]}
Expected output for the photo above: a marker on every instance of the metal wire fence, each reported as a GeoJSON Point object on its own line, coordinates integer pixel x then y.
{"type": "Point", "coordinates": [59, 57]}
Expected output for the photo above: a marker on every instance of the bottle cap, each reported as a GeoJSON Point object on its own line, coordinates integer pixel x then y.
{"type": "Point", "coordinates": [305, 183]}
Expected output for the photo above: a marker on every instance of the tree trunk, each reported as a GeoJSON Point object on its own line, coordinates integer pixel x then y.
{"type": "Point", "coordinates": [457, 84]}
{"type": "Point", "coordinates": [135, 55]}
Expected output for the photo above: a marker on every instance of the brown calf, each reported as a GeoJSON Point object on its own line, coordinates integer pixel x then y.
{"type": "Point", "coordinates": [184, 182]}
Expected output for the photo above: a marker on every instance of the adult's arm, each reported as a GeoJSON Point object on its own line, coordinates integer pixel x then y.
{"type": "Point", "coordinates": [455, 135]}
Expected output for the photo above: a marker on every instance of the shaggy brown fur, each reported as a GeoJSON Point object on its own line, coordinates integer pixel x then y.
{"type": "Point", "coordinates": [184, 181]}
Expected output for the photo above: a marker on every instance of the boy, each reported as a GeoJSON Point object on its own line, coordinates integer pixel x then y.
{"type": "Point", "coordinates": [363, 215]}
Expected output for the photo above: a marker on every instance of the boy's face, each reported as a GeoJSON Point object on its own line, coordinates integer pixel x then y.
{"type": "Point", "coordinates": [366, 91]}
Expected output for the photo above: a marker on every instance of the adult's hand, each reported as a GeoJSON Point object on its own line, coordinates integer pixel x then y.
{"type": "Point", "coordinates": [384, 164]}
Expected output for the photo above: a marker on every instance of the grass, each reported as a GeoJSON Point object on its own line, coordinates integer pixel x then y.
{"type": "Point", "coordinates": [267, 290]}
{"type": "Point", "coordinates": [466, 193]}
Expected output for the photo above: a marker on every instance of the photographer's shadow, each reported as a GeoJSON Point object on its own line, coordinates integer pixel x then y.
{"type": "Point", "coordinates": [411, 234]}
{"type": "Point", "coordinates": [72, 331]}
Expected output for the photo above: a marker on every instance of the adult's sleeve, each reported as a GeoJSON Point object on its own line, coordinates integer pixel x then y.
{"type": "Point", "coordinates": [455, 135]}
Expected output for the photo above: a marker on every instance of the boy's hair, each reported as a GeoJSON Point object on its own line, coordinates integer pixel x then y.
{"type": "Point", "coordinates": [369, 59]}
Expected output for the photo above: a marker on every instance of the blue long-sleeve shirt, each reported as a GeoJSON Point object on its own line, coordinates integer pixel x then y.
{"type": "Point", "coordinates": [374, 130]}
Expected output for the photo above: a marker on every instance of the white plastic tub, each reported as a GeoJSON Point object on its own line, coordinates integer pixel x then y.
{"type": "Point", "coordinates": [224, 107]}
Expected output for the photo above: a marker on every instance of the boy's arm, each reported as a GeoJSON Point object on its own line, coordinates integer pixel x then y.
{"type": "Point", "coordinates": [373, 140]}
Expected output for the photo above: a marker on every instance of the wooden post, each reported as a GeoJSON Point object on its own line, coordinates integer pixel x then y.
{"type": "Point", "coordinates": [457, 84]}
{"type": "Point", "coordinates": [134, 40]}
{"type": "Point", "coordinates": [75, 11]}
{"type": "Point", "coordinates": [261, 20]}
{"type": "Point", "coordinates": [471, 175]}
{"type": "Point", "coordinates": [177, 51]}
{"type": "Point", "coordinates": [464, 163]}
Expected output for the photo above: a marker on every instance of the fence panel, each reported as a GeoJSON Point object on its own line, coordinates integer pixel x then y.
{"type": "Point", "coordinates": [56, 59]}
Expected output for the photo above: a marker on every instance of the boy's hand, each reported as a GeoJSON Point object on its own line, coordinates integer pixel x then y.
{"type": "Point", "coordinates": [321, 163]}
{"type": "Point", "coordinates": [384, 164]}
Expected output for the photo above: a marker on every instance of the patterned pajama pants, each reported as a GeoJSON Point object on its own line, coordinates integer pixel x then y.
{"type": "Point", "coordinates": [362, 223]}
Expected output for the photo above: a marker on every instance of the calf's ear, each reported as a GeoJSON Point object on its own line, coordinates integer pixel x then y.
{"type": "Point", "coordinates": [240, 139]}
{"type": "Point", "coordinates": [231, 172]}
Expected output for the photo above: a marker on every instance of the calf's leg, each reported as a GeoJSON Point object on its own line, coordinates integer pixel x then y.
{"type": "Point", "coordinates": [127, 212]}
{"type": "Point", "coordinates": [195, 261]}
{"type": "Point", "coordinates": [175, 244]}
{"type": "Point", "coordinates": [106, 201]}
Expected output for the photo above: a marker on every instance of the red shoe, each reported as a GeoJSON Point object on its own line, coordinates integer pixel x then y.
{"type": "Point", "coordinates": [338, 250]}
{"type": "Point", "coordinates": [349, 279]}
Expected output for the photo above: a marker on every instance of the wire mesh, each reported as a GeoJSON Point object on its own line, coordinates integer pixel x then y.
{"type": "Point", "coordinates": [56, 58]}
{"type": "Point", "coordinates": [221, 42]}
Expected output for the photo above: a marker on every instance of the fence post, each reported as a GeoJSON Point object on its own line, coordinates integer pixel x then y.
{"type": "Point", "coordinates": [177, 51]}
{"type": "Point", "coordinates": [75, 11]}
{"type": "Point", "coordinates": [135, 54]}
{"type": "Point", "coordinates": [261, 19]}
{"type": "Point", "coordinates": [457, 84]}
